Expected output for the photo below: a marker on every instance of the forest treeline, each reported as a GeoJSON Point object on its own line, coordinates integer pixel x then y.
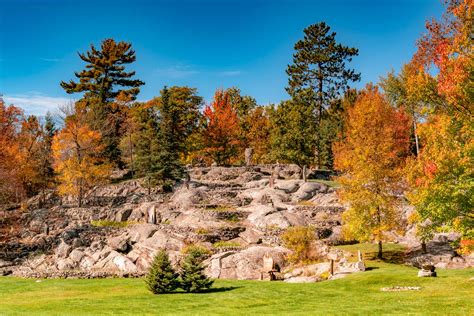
{"type": "Point", "coordinates": [409, 134]}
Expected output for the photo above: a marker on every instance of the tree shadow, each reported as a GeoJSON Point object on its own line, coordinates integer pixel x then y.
{"type": "Point", "coordinates": [220, 289]}
{"type": "Point", "coordinates": [211, 290]}
{"type": "Point", "coordinates": [396, 257]}
{"type": "Point", "coordinates": [371, 268]}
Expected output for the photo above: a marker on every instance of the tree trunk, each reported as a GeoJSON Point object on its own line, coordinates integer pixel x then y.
{"type": "Point", "coordinates": [131, 154]}
{"type": "Point", "coordinates": [149, 186]}
{"type": "Point", "coordinates": [379, 254]}
{"type": "Point", "coordinates": [423, 247]}
{"type": "Point", "coordinates": [417, 144]}
{"type": "Point", "coordinates": [79, 199]}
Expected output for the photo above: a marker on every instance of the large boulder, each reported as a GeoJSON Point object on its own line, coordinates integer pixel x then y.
{"type": "Point", "coordinates": [124, 264]}
{"type": "Point", "coordinates": [140, 232]}
{"type": "Point", "coordinates": [162, 240]}
{"type": "Point", "coordinates": [63, 250]}
{"type": "Point", "coordinates": [122, 215]}
{"type": "Point", "coordinates": [76, 255]}
{"type": "Point", "coordinates": [264, 216]}
{"type": "Point", "coordinates": [288, 172]}
{"type": "Point", "coordinates": [308, 190]}
{"type": "Point", "coordinates": [65, 264]}
{"type": "Point", "coordinates": [146, 212]}
{"type": "Point", "coordinates": [288, 186]}
{"type": "Point", "coordinates": [119, 243]}
{"type": "Point", "coordinates": [251, 236]}
{"type": "Point", "coordinates": [244, 265]}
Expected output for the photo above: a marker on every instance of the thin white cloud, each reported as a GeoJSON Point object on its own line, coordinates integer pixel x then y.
{"type": "Point", "coordinates": [35, 103]}
{"type": "Point", "coordinates": [178, 71]}
{"type": "Point", "coordinates": [231, 73]}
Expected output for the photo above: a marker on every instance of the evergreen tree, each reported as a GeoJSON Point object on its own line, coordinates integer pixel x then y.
{"type": "Point", "coordinates": [105, 71]}
{"type": "Point", "coordinates": [161, 278]}
{"type": "Point", "coordinates": [292, 135]}
{"type": "Point", "coordinates": [46, 170]}
{"type": "Point", "coordinates": [169, 167]}
{"type": "Point", "coordinates": [182, 113]}
{"type": "Point", "coordinates": [144, 137]}
{"type": "Point", "coordinates": [192, 274]}
{"type": "Point", "coordinates": [319, 75]}
{"type": "Point", "coordinates": [103, 80]}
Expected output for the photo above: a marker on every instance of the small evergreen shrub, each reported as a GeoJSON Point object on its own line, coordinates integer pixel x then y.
{"type": "Point", "coordinates": [162, 278]}
{"type": "Point", "coordinates": [192, 275]}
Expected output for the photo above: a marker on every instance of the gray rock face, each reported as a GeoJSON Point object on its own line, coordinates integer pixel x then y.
{"type": "Point", "coordinates": [119, 243]}
{"type": "Point", "coordinates": [244, 265]}
{"type": "Point", "coordinates": [123, 215]}
{"type": "Point", "coordinates": [309, 190]}
{"type": "Point", "coordinates": [76, 255]}
{"type": "Point", "coordinates": [63, 250]}
{"type": "Point", "coordinates": [140, 232]}
{"type": "Point", "coordinates": [221, 208]}
{"type": "Point", "coordinates": [65, 264]}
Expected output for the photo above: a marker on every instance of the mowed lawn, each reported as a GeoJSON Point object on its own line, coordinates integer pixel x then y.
{"type": "Point", "coordinates": [452, 293]}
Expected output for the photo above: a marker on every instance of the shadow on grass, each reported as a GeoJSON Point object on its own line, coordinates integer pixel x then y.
{"type": "Point", "coordinates": [371, 268]}
{"type": "Point", "coordinates": [396, 257]}
{"type": "Point", "coordinates": [220, 289]}
{"type": "Point", "coordinates": [211, 290]}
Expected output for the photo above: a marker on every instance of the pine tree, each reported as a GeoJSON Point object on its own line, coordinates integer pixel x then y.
{"type": "Point", "coordinates": [292, 136]}
{"type": "Point", "coordinates": [169, 167]}
{"type": "Point", "coordinates": [162, 278]}
{"type": "Point", "coordinates": [103, 80]}
{"type": "Point", "coordinates": [193, 278]}
{"type": "Point", "coordinates": [105, 71]}
{"type": "Point", "coordinates": [144, 137]}
{"type": "Point", "coordinates": [319, 74]}
{"type": "Point", "coordinates": [46, 170]}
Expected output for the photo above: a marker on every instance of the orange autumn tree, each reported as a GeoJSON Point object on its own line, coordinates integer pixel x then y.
{"type": "Point", "coordinates": [11, 187]}
{"type": "Point", "coordinates": [440, 178]}
{"type": "Point", "coordinates": [448, 48]}
{"type": "Point", "coordinates": [370, 154]}
{"type": "Point", "coordinates": [221, 135]}
{"type": "Point", "coordinates": [76, 150]}
{"type": "Point", "coordinates": [258, 134]}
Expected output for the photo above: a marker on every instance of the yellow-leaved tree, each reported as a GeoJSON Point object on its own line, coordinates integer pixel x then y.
{"type": "Point", "coordinates": [77, 158]}
{"type": "Point", "coordinates": [370, 155]}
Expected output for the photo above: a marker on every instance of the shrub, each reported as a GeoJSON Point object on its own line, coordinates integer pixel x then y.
{"type": "Point", "coordinates": [193, 278]}
{"type": "Point", "coordinates": [299, 240]}
{"type": "Point", "coordinates": [201, 231]}
{"type": "Point", "coordinates": [110, 224]}
{"type": "Point", "coordinates": [162, 278]}
{"type": "Point", "coordinates": [466, 247]}
{"type": "Point", "coordinates": [201, 250]}
{"type": "Point", "coordinates": [226, 244]}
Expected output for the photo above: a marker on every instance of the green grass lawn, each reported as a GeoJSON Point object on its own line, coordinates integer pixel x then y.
{"type": "Point", "coordinates": [452, 293]}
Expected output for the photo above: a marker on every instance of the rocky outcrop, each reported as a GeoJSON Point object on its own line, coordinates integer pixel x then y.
{"type": "Point", "coordinates": [244, 265]}
{"type": "Point", "coordinates": [236, 213]}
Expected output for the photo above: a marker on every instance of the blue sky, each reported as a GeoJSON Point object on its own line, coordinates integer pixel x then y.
{"type": "Point", "coordinates": [203, 44]}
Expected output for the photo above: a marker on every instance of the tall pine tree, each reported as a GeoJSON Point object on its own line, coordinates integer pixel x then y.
{"type": "Point", "coordinates": [103, 80]}
{"type": "Point", "coordinates": [319, 74]}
